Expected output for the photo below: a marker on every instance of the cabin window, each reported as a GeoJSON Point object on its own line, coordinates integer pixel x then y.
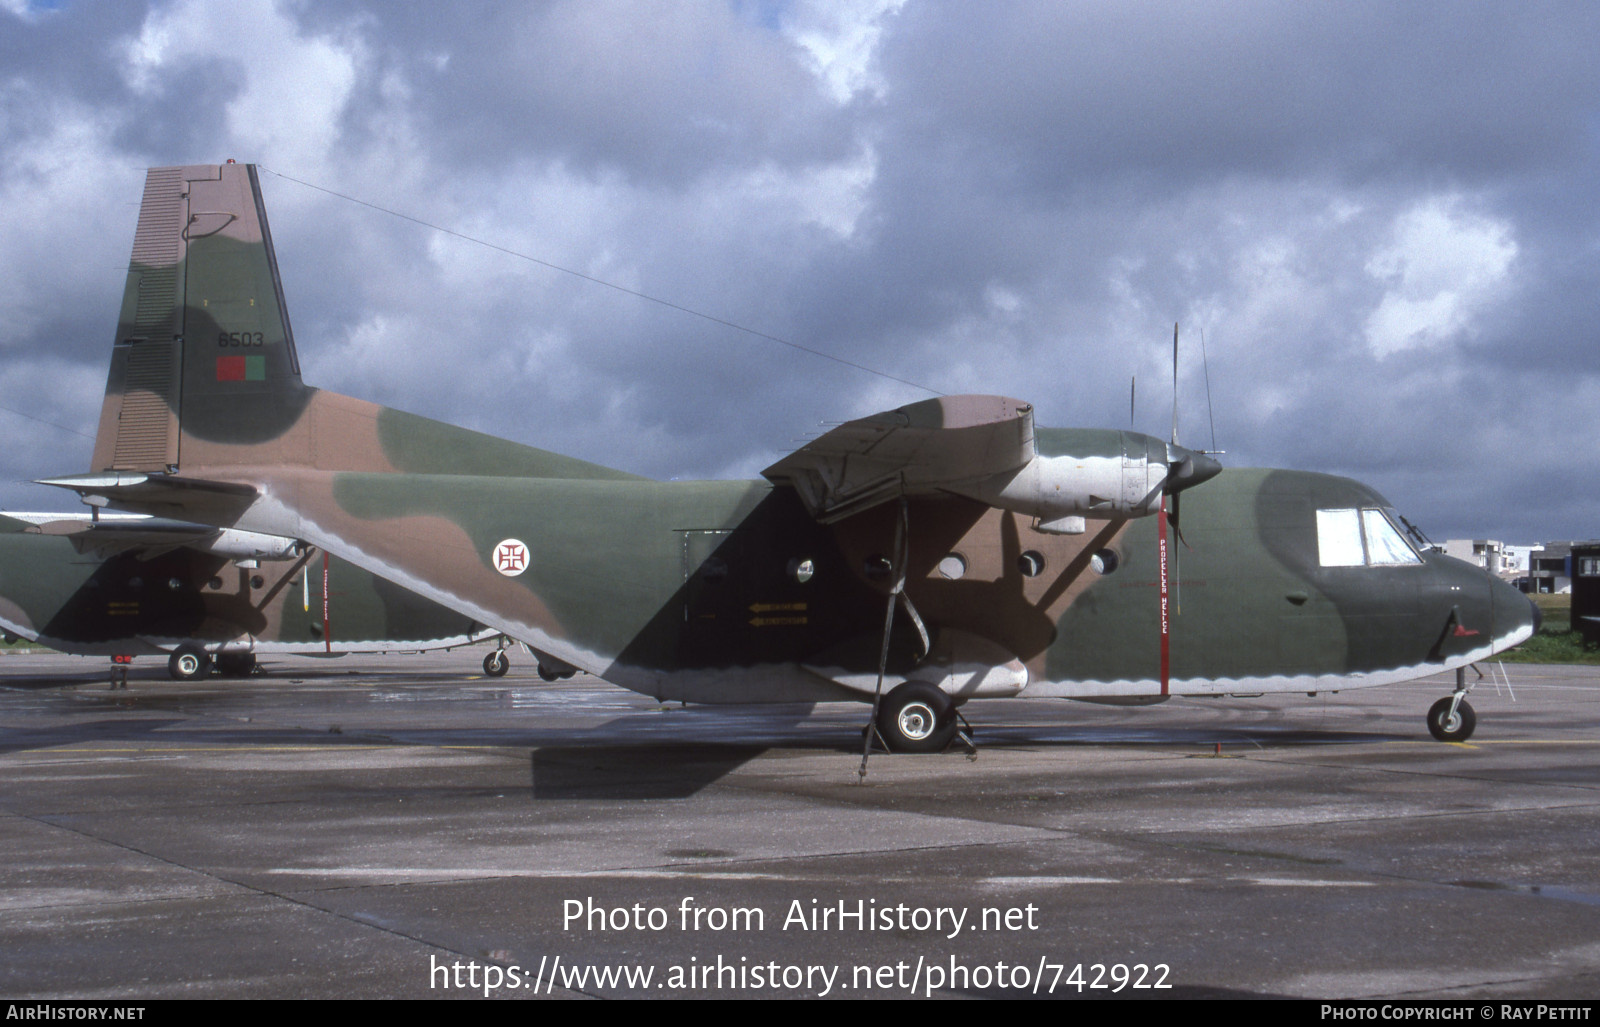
{"type": "Point", "coordinates": [953, 566]}
{"type": "Point", "coordinates": [1031, 563]}
{"type": "Point", "coordinates": [802, 570]}
{"type": "Point", "coordinates": [1356, 538]}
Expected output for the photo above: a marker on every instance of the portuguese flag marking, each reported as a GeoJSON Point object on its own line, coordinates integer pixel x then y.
{"type": "Point", "coordinates": [242, 369]}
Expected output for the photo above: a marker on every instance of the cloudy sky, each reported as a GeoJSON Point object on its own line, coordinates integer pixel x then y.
{"type": "Point", "coordinates": [1384, 219]}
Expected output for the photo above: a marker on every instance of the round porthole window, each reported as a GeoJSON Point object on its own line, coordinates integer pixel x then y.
{"type": "Point", "coordinates": [1031, 563]}
{"type": "Point", "coordinates": [953, 567]}
{"type": "Point", "coordinates": [802, 570]}
{"type": "Point", "coordinates": [877, 567]}
{"type": "Point", "coordinates": [1103, 561]}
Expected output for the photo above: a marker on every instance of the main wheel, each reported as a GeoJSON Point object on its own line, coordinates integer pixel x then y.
{"type": "Point", "coordinates": [236, 665]}
{"type": "Point", "coordinates": [496, 664]}
{"type": "Point", "coordinates": [916, 717]}
{"type": "Point", "coordinates": [1451, 729]}
{"type": "Point", "coordinates": [188, 662]}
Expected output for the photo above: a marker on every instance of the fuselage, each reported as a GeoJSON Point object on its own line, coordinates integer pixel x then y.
{"type": "Point", "coordinates": [731, 592]}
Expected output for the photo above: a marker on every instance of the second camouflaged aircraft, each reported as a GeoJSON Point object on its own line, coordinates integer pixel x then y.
{"type": "Point", "coordinates": [126, 585]}
{"type": "Point", "coordinates": [949, 546]}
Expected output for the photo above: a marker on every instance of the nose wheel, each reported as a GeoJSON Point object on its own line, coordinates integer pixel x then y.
{"type": "Point", "coordinates": [1451, 719]}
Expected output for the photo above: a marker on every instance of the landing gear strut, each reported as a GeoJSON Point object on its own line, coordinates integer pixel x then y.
{"type": "Point", "coordinates": [1451, 719]}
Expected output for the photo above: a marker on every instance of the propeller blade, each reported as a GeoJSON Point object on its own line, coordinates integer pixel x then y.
{"type": "Point", "coordinates": [1177, 522]}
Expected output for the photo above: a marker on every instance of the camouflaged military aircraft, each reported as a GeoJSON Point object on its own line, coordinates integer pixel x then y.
{"type": "Point", "coordinates": [128, 585]}
{"type": "Point", "coordinates": [945, 551]}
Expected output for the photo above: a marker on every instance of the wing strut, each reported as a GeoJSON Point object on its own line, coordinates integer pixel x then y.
{"type": "Point", "coordinates": [901, 548]}
{"type": "Point", "coordinates": [897, 595]}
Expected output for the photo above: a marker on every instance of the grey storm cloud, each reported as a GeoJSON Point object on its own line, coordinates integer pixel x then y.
{"type": "Point", "coordinates": [1382, 218]}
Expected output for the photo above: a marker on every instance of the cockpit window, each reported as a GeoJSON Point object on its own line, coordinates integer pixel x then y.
{"type": "Point", "coordinates": [1385, 544]}
{"type": "Point", "coordinates": [1339, 539]}
{"type": "Point", "coordinates": [1355, 538]}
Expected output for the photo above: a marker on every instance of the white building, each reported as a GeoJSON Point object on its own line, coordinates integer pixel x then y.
{"type": "Point", "coordinates": [1516, 558]}
{"type": "Point", "coordinates": [1488, 553]}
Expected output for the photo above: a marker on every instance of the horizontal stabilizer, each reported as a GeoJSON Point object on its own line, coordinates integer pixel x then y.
{"type": "Point", "coordinates": [918, 449]}
{"type": "Point", "coordinates": [147, 535]}
{"type": "Point", "coordinates": [212, 502]}
{"type": "Point", "coordinates": [108, 534]}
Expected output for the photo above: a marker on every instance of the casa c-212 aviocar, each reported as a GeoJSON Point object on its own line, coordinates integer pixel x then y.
{"type": "Point", "coordinates": [915, 559]}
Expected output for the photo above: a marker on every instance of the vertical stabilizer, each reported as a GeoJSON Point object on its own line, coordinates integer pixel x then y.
{"type": "Point", "coordinates": [204, 352]}
{"type": "Point", "coordinates": [205, 381]}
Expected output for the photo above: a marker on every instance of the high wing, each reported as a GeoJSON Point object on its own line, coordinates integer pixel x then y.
{"type": "Point", "coordinates": [936, 445]}
{"type": "Point", "coordinates": [985, 448]}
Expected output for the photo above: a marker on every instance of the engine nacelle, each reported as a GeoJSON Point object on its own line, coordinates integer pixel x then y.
{"type": "Point", "coordinates": [1113, 474]}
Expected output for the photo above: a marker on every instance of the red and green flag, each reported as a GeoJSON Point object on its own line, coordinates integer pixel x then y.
{"type": "Point", "coordinates": [242, 369]}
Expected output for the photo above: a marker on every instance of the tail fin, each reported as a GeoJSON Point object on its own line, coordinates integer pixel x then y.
{"type": "Point", "coordinates": [204, 352]}
{"type": "Point", "coordinates": [204, 375]}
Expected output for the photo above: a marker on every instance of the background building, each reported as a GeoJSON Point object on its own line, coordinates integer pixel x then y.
{"type": "Point", "coordinates": [1586, 590]}
{"type": "Point", "coordinates": [1488, 553]}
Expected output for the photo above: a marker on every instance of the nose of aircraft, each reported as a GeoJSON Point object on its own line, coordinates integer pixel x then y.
{"type": "Point", "coordinates": [1514, 612]}
{"type": "Point", "coordinates": [1476, 608]}
{"type": "Point", "coordinates": [1189, 468]}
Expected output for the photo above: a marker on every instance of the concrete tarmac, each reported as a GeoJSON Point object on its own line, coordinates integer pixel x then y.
{"type": "Point", "coordinates": [401, 826]}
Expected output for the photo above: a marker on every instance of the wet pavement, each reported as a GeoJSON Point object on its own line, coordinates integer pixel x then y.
{"type": "Point", "coordinates": [402, 826]}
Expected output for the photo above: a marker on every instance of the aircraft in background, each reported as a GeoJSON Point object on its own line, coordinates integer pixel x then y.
{"type": "Point", "coordinates": [126, 585]}
{"type": "Point", "coordinates": [914, 559]}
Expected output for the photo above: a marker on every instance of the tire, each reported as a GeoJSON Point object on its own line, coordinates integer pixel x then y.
{"type": "Point", "coordinates": [496, 664]}
{"type": "Point", "coordinates": [546, 674]}
{"type": "Point", "coordinates": [188, 662]}
{"type": "Point", "coordinates": [917, 717]}
{"type": "Point", "coordinates": [236, 665]}
{"type": "Point", "coordinates": [1458, 730]}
